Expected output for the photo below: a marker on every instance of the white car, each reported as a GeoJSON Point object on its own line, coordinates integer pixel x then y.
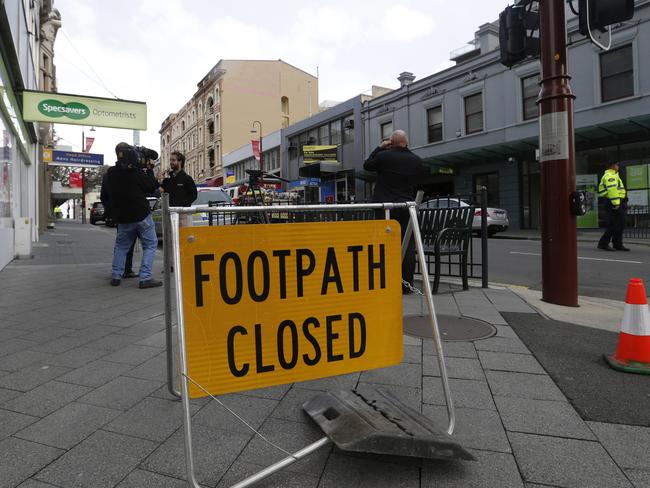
{"type": "Point", "coordinates": [205, 196]}
{"type": "Point", "coordinates": [218, 198]}
{"type": "Point", "coordinates": [497, 218]}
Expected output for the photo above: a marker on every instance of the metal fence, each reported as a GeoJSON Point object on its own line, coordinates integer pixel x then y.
{"type": "Point", "coordinates": [637, 222]}
{"type": "Point", "coordinates": [451, 265]}
{"type": "Point", "coordinates": [477, 256]}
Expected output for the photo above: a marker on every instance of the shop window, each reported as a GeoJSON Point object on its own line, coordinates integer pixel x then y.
{"type": "Point", "coordinates": [385, 130]}
{"type": "Point", "coordinates": [491, 182]}
{"type": "Point", "coordinates": [616, 74]}
{"type": "Point", "coordinates": [434, 124]}
{"type": "Point", "coordinates": [529, 93]}
{"type": "Point", "coordinates": [474, 113]}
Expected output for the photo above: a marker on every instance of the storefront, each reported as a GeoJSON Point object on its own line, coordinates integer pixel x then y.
{"type": "Point", "coordinates": [17, 180]}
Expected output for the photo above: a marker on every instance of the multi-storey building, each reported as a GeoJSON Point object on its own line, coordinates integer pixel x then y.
{"type": "Point", "coordinates": [234, 98]}
{"type": "Point", "coordinates": [21, 179]}
{"type": "Point", "coordinates": [475, 124]}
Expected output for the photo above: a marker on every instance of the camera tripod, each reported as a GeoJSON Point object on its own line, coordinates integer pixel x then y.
{"type": "Point", "coordinates": [255, 197]}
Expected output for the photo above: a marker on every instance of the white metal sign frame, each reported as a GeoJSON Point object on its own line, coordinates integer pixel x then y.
{"type": "Point", "coordinates": [174, 214]}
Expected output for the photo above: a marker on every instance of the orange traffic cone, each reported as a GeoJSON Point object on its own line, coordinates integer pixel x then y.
{"type": "Point", "coordinates": [633, 353]}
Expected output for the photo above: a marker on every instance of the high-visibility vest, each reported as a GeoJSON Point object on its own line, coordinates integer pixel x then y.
{"type": "Point", "coordinates": [611, 187]}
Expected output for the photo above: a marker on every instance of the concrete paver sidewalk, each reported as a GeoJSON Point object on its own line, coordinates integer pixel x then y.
{"type": "Point", "coordinates": [83, 400]}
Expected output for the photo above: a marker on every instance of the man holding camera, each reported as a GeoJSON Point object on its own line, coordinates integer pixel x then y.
{"type": "Point", "coordinates": [399, 171]}
{"type": "Point", "coordinates": [179, 185]}
{"type": "Point", "coordinates": [129, 182]}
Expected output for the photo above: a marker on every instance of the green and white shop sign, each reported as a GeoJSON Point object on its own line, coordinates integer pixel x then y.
{"type": "Point", "coordinates": [58, 108]}
{"type": "Point", "coordinates": [588, 183]}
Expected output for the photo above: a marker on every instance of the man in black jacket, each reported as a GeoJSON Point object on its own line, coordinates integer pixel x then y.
{"type": "Point", "coordinates": [106, 201]}
{"type": "Point", "coordinates": [399, 171]}
{"type": "Point", "coordinates": [128, 183]}
{"type": "Point", "coordinates": [179, 185]}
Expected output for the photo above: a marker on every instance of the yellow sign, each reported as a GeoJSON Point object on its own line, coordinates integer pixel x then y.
{"type": "Point", "coordinates": [47, 155]}
{"type": "Point", "coordinates": [278, 303]}
{"type": "Point", "coordinates": [58, 108]}
{"type": "Point", "coordinates": [313, 154]}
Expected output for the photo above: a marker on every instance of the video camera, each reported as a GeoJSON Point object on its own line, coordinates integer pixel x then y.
{"type": "Point", "coordinates": [134, 156]}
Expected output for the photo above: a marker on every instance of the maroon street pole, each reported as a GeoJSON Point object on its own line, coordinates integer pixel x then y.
{"type": "Point", "coordinates": [557, 158]}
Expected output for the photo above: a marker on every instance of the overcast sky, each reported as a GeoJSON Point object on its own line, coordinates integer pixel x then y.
{"type": "Point", "coordinates": [156, 51]}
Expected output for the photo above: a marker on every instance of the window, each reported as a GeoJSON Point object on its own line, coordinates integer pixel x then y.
{"type": "Point", "coordinates": [491, 182]}
{"type": "Point", "coordinates": [324, 134]}
{"type": "Point", "coordinates": [335, 132]}
{"type": "Point", "coordinates": [348, 129]}
{"type": "Point", "coordinates": [616, 74]}
{"type": "Point", "coordinates": [385, 130]}
{"type": "Point", "coordinates": [434, 124]}
{"type": "Point", "coordinates": [183, 126]}
{"type": "Point", "coordinates": [284, 105]}
{"type": "Point", "coordinates": [474, 113]}
{"type": "Point", "coordinates": [529, 93]}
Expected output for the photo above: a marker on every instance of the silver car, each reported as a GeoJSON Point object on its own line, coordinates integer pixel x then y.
{"type": "Point", "coordinates": [206, 196]}
{"type": "Point", "coordinates": [497, 218]}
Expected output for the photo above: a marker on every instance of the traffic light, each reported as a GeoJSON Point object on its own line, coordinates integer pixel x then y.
{"type": "Point", "coordinates": [602, 13]}
{"type": "Point", "coordinates": [514, 42]}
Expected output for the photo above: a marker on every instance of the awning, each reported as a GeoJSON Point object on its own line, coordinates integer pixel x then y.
{"type": "Point", "coordinates": [315, 170]}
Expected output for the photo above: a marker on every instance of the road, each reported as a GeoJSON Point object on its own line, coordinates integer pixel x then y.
{"type": "Point", "coordinates": [600, 274]}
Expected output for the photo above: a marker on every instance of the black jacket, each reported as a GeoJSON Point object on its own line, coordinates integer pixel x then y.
{"type": "Point", "coordinates": [124, 193]}
{"type": "Point", "coordinates": [399, 171]}
{"type": "Point", "coordinates": [181, 189]}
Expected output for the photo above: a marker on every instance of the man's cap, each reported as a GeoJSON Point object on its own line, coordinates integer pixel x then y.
{"type": "Point", "coordinates": [121, 147]}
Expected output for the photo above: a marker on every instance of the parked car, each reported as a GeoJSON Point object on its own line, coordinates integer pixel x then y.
{"type": "Point", "coordinates": [205, 195]}
{"type": "Point", "coordinates": [97, 213]}
{"type": "Point", "coordinates": [497, 218]}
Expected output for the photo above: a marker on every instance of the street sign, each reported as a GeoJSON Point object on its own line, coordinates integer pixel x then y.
{"type": "Point", "coordinates": [272, 304]}
{"type": "Point", "coordinates": [57, 108]}
{"type": "Point", "coordinates": [69, 158]}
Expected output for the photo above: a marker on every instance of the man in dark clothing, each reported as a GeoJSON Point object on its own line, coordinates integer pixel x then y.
{"type": "Point", "coordinates": [106, 201]}
{"type": "Point", "coordinates": [128, 183]}
{"type": "Point", "coordinates": [398, 173]}
{"type": "Point", "coordinates": [179, 185]}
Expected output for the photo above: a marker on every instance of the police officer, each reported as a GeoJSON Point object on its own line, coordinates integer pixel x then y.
{"type": "Point", "coordinates": [611, 188]}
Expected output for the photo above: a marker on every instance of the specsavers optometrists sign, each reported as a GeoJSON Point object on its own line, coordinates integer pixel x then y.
{"type": "Point", "coordinates": [57, 108]}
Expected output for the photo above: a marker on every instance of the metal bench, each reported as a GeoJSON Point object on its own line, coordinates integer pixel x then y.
{"type": "Point", "coordinates": [446, 232]}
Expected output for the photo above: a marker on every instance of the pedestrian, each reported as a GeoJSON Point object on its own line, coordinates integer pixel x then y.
{"type": "Point", "coordinates": [179, 185]}
{"type": "Point", "coordinates": [399, 171]}
{"type": "Point", "coordinates": [108, 216]}
{"type": "Point", "coordinates": [611, 188]}
{"type": "Point", "coordinates": [128, 183]}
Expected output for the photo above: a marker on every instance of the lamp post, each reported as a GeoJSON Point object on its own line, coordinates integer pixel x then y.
{"type": "Point", "coordinates": [253, 131]}
{"type": "Point", "coordinates": [83, 176]}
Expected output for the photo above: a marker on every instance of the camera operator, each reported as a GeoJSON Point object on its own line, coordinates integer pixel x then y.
{"type": "Point", "coordinates": [128, 184]}
{"type": "Point", "coordinates": [179, 185]}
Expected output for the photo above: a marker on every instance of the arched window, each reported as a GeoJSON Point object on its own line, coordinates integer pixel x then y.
{"type": "Point", "coordinates": [183, 126]}
{"type": "Point", "coordinates": [284, 105]}
{"type": "Point", "coordinates": [210, 105]}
